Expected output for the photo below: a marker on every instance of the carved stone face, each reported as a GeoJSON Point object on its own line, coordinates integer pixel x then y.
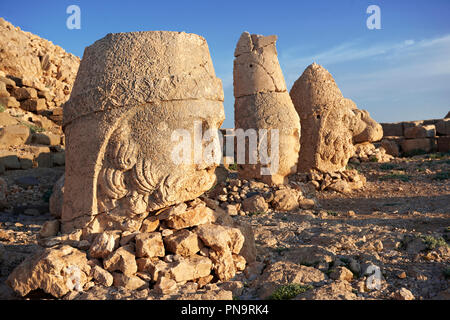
{"type": "Point", "coordinates": [132, 91]}
{"type": "Point", "coordinates": [138, 173]}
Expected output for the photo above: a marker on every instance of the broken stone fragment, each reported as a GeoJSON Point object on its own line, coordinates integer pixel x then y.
{"type": "Point", "coordinates": [255, 204]}
{"type": "Point", "coordinates": [190, 268]}
{"type": "Point", "coordinates": [195, 215]}
{"type": "Point", "coordinates": [223, 264]}
{"type": "Point", "coordinates": [149, 245]}
{"type": "Point", "coordinates": [123, 259]}
{"type": "Point", "coordinates": [102, 276]}
{"type": "Point", "coordinates": [104, 244]}
{"type": "Point", "coordinates": [56, 270]}
{"type": "Point", "coordinates": [49, 229]}
{"type": "Point", "coordinates": [183, 242]}
{"type": "Point", "coordinates": [286, 200]}
{"type": "Point", "coordinates": [220, 238]}
{"type": "Point", "coordinates": [129, 282]}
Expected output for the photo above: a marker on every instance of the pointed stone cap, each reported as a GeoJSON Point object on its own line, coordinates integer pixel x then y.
{"type": "Point", "coordinates": [315, 87]}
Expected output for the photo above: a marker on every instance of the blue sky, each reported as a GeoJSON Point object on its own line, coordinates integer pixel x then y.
{"type": "Point", "coordinates": [401, 72]}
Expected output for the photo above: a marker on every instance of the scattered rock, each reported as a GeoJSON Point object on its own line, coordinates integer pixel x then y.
{"type": "Point", "coordinates": [55, 270]}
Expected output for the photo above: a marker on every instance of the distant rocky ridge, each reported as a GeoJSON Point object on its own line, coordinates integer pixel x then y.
{"type": "Point", "coordinates": [36, 78]}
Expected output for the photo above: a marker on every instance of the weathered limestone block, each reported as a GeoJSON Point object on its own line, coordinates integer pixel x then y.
{"type": "Point", "coordinates": [132, 91]}
{"type": "Point", "coordinates": [104, 244]}
{"type": "Point", "coordinates": [123, 259]}
{"type": "Point", "coordinates": [330, 122]}
{"type": "Point", "coordinates": [443, 144]}
{"type": "Point", "coordinates": [391, 147]}
{"type": "Point", "coordinates": [149, 245]}
{"type": "Point", "coordinates": [56, 270]}
{"type": "Point", "coordinates": [443, 127]}
{"type": "Point", "coordinates": [421, 144]}
{"type": "Point", "coordinates": [14, 135]}
{"type": "Point", "coordinates": [425, 131]}
{"type": "Point", "coordinates": [262, 102]}
{"type": "Point", "coordinates": [392, 129]}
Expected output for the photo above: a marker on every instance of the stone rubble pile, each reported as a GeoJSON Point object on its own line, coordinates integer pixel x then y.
{"type": "Point", "coordinates": [415, 137]}
{"type": "Point", "coordinates": [188, 242]}
{"type": "Point", "coordinates": [39, 75]}
{"type": "Point", "coordinates": [343, 181]}
{"type": "Point", "coordinates": [36, 78]}
{"type": "Point", "coordinates": [368, 152]}
{"type": "Point", "coordinates": [248, 197]}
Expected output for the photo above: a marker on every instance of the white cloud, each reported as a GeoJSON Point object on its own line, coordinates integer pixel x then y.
{"type": "Point", "coordinates": [412, 76]}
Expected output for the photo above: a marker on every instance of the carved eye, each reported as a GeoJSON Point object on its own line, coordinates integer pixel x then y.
{"type": "Point", "coordinates": [251, 66]}
{"type": "Point", "coordinates": [318, 116]}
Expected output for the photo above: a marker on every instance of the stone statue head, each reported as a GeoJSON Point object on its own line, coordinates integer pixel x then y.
{"type": "Point", "coordinates": [132, 92]}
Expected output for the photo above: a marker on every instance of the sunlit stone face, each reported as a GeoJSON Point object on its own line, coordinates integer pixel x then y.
{"type": "Point", "coordinates": [139, 173]}
{"type": "Point", "coordinates": [132, 92]}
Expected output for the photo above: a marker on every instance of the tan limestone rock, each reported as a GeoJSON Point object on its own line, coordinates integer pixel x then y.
{"type": "Point", "coordinates": [132, 91]}
{"type": "Point", "coordinates": [123, 259]}
{"type": "Point", "coordinates": [56, 270]}
{"type": "Point", "coordinates": [149, 245]}
{"type": "Point", "coordinates": [262, 102]}
{"type": "Point", "coordinates": [104, 244]}
{"type": "Point", "coordinates": [183, 242]}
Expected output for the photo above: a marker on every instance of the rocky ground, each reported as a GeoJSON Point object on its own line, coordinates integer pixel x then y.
{"type": "Point", "coordinates": [397, 224]}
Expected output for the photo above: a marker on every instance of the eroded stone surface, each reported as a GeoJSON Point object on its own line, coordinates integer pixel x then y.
{"type": "Point", "coordinates": [330, 122]}
{"type": "Point", "coordinates": [130, 105]}
{"type": "Point", "coordinates": [262, 102]}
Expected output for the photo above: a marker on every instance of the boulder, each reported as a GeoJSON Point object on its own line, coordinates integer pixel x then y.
{"type": "Point", "coordinates": [129, 282]}
{"type": "Point", "coordinates": [130, 164]}
{"type": "Point", "coordinates": [56, 270]}
{"type": "Point", "coordinates": [33, 105]}
{"type": "Point", "coordinates": [255, 204]}
{"type": "Point", "coordinates": [285, 200]}
{"type": "Point", "coordinates": [183, 242]}
{"type": "Point", "coordinates": [24, 93]}
{"type": "Point", "coordinates": [149, 245]}
{"type": "Point", "coordinates": [102, 276]}
{"type": "Point", "coordinates": [46, 138]}
{"type": "Point", "coordinates": [391, 147]}
{"type": "Point", "coordinates": [7, 120]}
{"type": "Point", "coordinates": [198, 213]}
{"type": "Point", "coordinates": [104, 244]}
{"type": "Point", "coordinates": [14, 135]}
{"type": "Point", "coordinates": [262, 104]}
{"type": "Point", "coordinates": [9, 102]}
{"type": "Point", "coordinates": [49, 229]}
{"type": "Point", "coordinates": [123, 260]}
